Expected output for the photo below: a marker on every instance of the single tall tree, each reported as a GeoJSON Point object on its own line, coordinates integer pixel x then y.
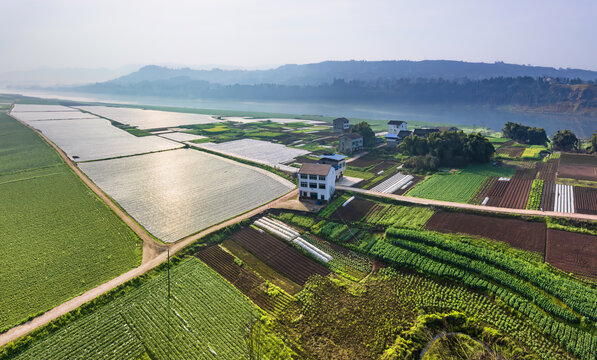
{"type": "Point", "coordinates": [368, 135]}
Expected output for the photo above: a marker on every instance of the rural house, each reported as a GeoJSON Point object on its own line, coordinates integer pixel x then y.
{"type": "Point", "coordinates": [316, 181]}
{"type": "Point", "coordinates": [341, 125]}
{"type": "Point", "coordinates": [424, 132]}
{"type": "Point", "coordinates": [337, 161]}
{"type": "Point", "coordinates": [350, 143]}
{"type": "Point", "coordinates": [395, 126]}
{"type": "Point", "coordinates": [392, 140]}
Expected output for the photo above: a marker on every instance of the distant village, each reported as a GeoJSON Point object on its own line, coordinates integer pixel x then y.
{"type": "Point", "coordinates": [317, 181]}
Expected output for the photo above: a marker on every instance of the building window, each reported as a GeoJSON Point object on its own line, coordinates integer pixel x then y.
{"type": "Point", "coordinates": [322, 186]}
{"type": "Point", "coordinates": [313, 185]}
{"type": "Point", "coordinates": [312, 177]}
{"type": "Point", "coordinates": [321, 177]}
{"type": "Point", "coordinates": [303, 176]}
{"type": "Point", "coordinates": [303, 184]}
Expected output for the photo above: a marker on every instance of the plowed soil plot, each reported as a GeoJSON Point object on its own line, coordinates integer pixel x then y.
{"type": "Point", "coordinates": [578, 166]}
{"type": "Point", "coordinates": [496, 192]}
{"type": "Point", "coordinates": [278, 255]}
{"type": "Point", "coordinates": [585, 200]}
{"type": "Point", "coordinates": [365, 161]}
{"type": "Point", "coordinates": [483, 190]}
{"type": "Point", "coordinates": [521, 234]}
{"type": "Point", "coordinates": [247, 281]}
{"type": "Point", "coordinates": [417, 179]}
{"type": "Point", "coordinates": [517, 194]}
{"type": "Point", "coordinates": [515, 151]}
{"type": "Point", "coordinates": [354, 211]}
{"type": "Point", "coordinates": [548, 197]}
{"type": "Point", "coordinates": [572, 252]}
{"type": "Point", "coordinates": [547, 170]}
{"type": "Point", "coordinates": [525, 174]}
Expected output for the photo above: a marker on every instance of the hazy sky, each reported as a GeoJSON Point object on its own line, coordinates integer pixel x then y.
{"type": "Point", "coordinates": [250, 33]}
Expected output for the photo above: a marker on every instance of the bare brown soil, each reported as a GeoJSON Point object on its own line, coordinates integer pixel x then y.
{"type": "Point", "coordinates": [483, 190]}
{"type": "Point", "coordinates": [513, 151]}
{"type": "Point", "coordinates": [517, 194]}
{"type": "Point", "coordinates": [521, 234]}
{"type": "Point", "coordinates": [578, 166]}
{"type": "Point", "coordinates": [572, 252]}
{"type": "Point", "coordinates": [526, 173]}
{"type": "Point", "coordinates": [496, 192]}
{"type": "Point", "coordinates": [585, 200]}
{"type": "Point", "coordinates": [547, 170]}
{"type": "Point", "coordinates": [278, 255]}
{"type": "Point", "coordinates": [548, 197]}
{"type": "Point", "coordinates": [243, 278]}
{"type": "Point", "coordinates": [354, 211]}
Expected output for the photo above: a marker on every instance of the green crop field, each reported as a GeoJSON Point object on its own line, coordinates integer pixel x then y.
{"type": "Point", "coordinates": [59, 239]}
{"type": "Point", "coordinates": [455, 188]}
{"type": "Point", "coordinates": [458, 187]}
{"type": "Point", "coordinates": [21, 148]}
{"type": "Point", "coordinates": [399, 216]}
{"type": "Point", "coordinates": [206, 318]}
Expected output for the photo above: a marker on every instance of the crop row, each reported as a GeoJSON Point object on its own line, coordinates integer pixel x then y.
{"type": "Point", "coordinates": [455, 188]}
{"type": "Point", "coordinates": [399, 216]}
{"type": "Point", "coordinates": [205, 315]}
{"type": "Point", "coordinates": [343, 259]}
{"type": "Point", "coordinates": [560, 332]}
{"type": "Point", "coordinates": [578, 297]}
{"type": "Point", "coordinates": [535, 195]}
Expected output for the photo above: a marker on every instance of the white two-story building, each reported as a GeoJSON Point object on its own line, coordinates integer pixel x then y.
{"type": "Point", "coordinates": [316, 181]}
{"type": "Point", "coordinates": [395, 126]}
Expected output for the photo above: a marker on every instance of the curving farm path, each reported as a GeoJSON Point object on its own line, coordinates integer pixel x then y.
{"type": "Point", "coordinates": [154, 252]}
{"type": "Point", "coordinates": [420, 201]}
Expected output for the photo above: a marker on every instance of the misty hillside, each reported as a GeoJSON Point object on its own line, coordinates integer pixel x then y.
{"type": "Point", "coordinates": [326, 72]}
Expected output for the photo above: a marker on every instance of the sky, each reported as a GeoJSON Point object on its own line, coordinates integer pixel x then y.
{"type": "Point", "coordinates": [263, 34]}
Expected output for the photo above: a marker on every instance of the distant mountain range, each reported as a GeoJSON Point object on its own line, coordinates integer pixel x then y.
{"type": "Point", "coordinates": [328, 71]}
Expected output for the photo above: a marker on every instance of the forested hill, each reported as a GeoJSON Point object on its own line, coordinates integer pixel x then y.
{"type": "Point", "coordinates": [526, 93]}
{"type": "Point", "coordinates": [328, 71]}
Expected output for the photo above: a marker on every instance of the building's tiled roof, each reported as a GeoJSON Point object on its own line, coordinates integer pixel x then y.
{"type": "Point", "coordinates": [395, 122]}
{"type": "Point", "coordinates": [353, 136]}
{"type": "Point", "coordinates": [404, 133]}
{"type": "Point", "coordinates": [336, 157]}
{"type": "Point", "coordinates": [424, 132]}
{"type": "Point", "coordinates": [315, 169]}
{"type": "Point", "coordinates": [341, 119]}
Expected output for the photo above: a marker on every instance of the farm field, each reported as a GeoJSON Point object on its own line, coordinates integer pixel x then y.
{"type": "Point", "coordinates": [263, 152]}
{"type": "Point", "coordinates": [180, 136]}
{"type": "Point", "coordinates": [94, 139]}
{"type": "Point", "coordinates": [521, 234]}
{"type": "Point", "coordinates": [34, 116]}
{"type": "Point", "coordinates": [280, 256]}
{"type": "Point", "coordinates": [578, 167]}
{"type": "Point", "coordinates": [63, 241]}
{"type": "Point", "coordinates": [572, 252]}
{"type": "Point", "coordinates": [249, 120]}
{"type": "Point", "coordinates": [41, 108]}
{"type": "Point", "coordinates": [516, 195]}
{"type": "Point", "coordinates": [169, 194]}
{"type": "Point", "coordinates": [244, 279]}
{"type": "Point", "coordinates": [585, 200]}
{"type": "Point", "coordinates": [148, 119]}
{"type": "Point", "coordinates": [448, 187]}
{"type": "Point", "coordinates": [21, 148]}
{"type": "Point", "coordinates": [206, 316]}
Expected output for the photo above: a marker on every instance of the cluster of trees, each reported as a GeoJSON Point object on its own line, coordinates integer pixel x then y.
{"type": "Point", "coordinates": [525, 134]}
{"type": "Point", "coordinates": [454, 148]}
{"type": "Point", "coordinates": [565, 140]}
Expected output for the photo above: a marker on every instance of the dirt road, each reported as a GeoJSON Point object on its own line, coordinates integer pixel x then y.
{"type": "Point", "coordinates": [420, 201]}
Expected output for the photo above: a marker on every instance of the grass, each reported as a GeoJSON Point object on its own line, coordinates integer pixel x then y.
{"type": "Point", "coordinates": [137, 132]}
{"type": "Point", "coordinates": [21, 148]}
{"type": "Point", "coordinates": [61, 239]}
{"type": "Point", "coordinates": [533, 153]}
{"type": "Point", "coordinates": [351, 172]}
{"type": "Point", "coordinates": [454, 187]}
{"type": "Point", "coordinates": [206, 316]}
